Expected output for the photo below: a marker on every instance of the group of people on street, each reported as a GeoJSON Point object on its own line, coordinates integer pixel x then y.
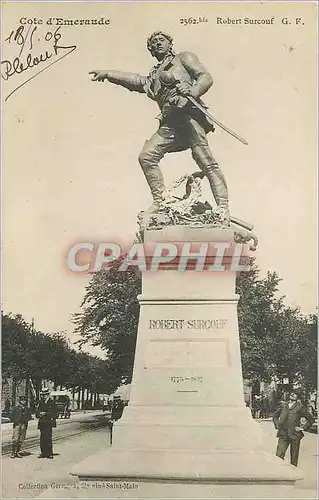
{"type": "Point", "coordinates": [46, 413]}
{"type": "Point", "coordinates": [291, 419]}
{"type": "Point", "coordinates": [260, 406]}
{"type": "Point", "coordinates": [21, 415]}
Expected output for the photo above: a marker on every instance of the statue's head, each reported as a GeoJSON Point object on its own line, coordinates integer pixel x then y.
{"type": "Point", "coordinates": [159, 44]}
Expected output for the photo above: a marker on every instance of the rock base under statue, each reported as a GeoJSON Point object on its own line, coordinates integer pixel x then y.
{"type": "Point", "coordinates": [187, 432]}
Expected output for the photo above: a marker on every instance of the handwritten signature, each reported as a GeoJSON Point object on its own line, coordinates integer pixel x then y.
{"type": "Point", "coordinates": [23, 63]}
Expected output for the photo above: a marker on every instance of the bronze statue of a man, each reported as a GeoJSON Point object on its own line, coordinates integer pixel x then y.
{"type": "Point", "coordinates": [182, 125]}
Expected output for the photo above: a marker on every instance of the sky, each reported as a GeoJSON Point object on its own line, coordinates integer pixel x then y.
{"type": "Point", "coordinates": [70, 146]}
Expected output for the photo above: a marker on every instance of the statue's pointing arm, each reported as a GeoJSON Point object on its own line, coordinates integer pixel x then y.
{"type": "Point", "coordinates": [203, 79]}
{"type": "Point", "coordinates": [131, 81]}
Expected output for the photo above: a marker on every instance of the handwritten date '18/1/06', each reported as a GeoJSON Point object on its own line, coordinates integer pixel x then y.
{"type": "Point", "coordinates": [27, 41]}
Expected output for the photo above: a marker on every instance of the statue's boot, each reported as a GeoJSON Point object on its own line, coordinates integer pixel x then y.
{"type": "Point", "coordinates": [218, 186]}
{"type": "Point", "coordinates": [207, 163]}
{"type": "Point", "coordinates": [155, 181]}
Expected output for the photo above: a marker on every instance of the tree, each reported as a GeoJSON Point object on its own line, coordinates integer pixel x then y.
{"type": "Point", "coordinates": [275, 339]}
{"type": "Point", "coordinates": [257, 321]}
{"type": "Point", "coordinates": [30, 354]}
{"type": "Point", "coordinates": [110, 318]}
{"type": "Point", "coordinates": [310, 366]}
{"type": "Point", "coordinates": [15, 333]}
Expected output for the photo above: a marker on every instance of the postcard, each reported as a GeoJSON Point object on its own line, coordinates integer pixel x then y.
{"type": "Point", "coordinates": [159, 316]}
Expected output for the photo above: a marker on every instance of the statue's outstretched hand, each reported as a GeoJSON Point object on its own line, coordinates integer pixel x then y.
{"type": "Point", "coordinates": [98, 75]}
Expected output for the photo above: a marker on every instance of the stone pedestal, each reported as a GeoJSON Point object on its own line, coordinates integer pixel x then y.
{"type": "Point", "coordinates": [187, 420]}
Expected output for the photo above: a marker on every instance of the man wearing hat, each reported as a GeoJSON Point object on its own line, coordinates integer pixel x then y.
{"type": "Point", "coordinates": [182, 125]}
{"type": "Point", "coordinates": [46, 413]}
{"type": "Point", "coordinates": [287, 419]}
{"type": "Point", "coordinates": [20, 416]}
{"type": "Point", "coordinates": [117, 408]}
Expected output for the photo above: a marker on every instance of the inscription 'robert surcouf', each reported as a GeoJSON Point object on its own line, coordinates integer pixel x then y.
{"type": "Point", "coordinates": [179, 324]}
{"type": "Point", "coordinates": [244, 20]}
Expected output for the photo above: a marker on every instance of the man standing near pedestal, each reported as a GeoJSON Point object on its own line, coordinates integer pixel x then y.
{"type": "Point", "coordinates": [287, 421]}
{"type": "Point", "coordinates": [117, 408]}
{"type": "Point", "coordinates": [182, 125]}
{"type": "Point", "coordinates": [46, 413]}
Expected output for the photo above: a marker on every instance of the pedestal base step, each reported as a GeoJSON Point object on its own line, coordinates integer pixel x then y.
{"type": "Point", "coordinates": [233, 467]}
{"type": "Point", "coordinates": [170, 490]}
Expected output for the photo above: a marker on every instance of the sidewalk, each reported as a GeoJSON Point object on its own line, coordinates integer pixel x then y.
{"type": "Point", "coordinates": [307, 459]}
{"type": "Point", "coordinates": [28, 477]}
{"type": "Point", "coordinates": [32, 478]}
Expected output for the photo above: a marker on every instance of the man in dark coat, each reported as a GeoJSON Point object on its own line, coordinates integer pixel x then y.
{"type": "Point", "coordinates": [287, 420]}
{"type": "Point", "coordinates": [7, 407]}
{"type": "Point", "coordinates": [117, 408]}
{"type": "Point", "coordinates": [20, 416]}
{"type": "Point", "coordinates": [46, 413]}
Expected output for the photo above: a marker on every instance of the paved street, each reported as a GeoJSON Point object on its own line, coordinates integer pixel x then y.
{"type": "Point", "coordinates": [79, 423]}
{"type": "Point", "coordinates": [30, 477]}
{"type": "Point", "coordinates": [74, 440]}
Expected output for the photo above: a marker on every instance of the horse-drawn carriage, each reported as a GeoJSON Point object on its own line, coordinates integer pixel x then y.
{"type": "Point", "coordinates": [63, 402]}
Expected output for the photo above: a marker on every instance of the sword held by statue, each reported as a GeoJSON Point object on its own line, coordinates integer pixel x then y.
{"type": "Point", "coordinates": [171, 81]}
